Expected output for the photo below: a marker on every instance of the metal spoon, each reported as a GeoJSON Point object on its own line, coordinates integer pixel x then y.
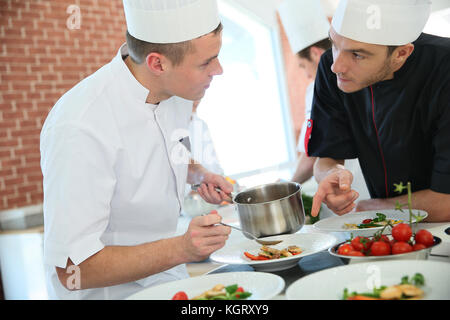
{"type": "Point", "coordinates": [263, 242]}
{"type": "Point", "coordinates": [194, 187]}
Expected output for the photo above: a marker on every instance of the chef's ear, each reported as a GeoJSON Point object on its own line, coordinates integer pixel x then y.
{"type": "Point", "coordinates": [155, 62]}
{"type": "Point", "coordinates": [402, 53]}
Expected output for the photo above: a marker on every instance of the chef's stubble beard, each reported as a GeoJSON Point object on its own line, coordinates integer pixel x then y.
{"type": "Point", "coordinates": [383, 74]}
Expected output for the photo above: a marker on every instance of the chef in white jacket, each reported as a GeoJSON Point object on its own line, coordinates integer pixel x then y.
{"type": "Point", "coordinates": [115, 159]}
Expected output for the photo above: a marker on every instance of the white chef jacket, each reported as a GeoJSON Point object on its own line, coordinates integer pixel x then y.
{"type": "Point", "coordinates": [114, 174]}
{"type": "Point", "coordinates": [202, 146]}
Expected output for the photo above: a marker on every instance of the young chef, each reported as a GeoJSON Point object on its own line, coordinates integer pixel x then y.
{"type": "Point", "coordinates": [113, 175]}
{"type": "Point", "coordinates": [307, 27]}
{"type": "Point", "coordinates": [382, 95]}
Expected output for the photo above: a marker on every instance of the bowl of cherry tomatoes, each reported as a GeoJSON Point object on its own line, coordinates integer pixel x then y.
{"type": "Point", "coordinates": [402, 243]}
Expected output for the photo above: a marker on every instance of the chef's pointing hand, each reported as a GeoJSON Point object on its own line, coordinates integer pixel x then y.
{"type": "Point", "coordinates": [335, 191]}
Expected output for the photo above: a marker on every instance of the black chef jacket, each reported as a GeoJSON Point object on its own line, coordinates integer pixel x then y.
{"type": "Point", "coordinates": [399, 129]}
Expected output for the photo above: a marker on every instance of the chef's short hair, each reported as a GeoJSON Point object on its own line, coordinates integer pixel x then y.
{"type": "Point", "coordinates": [324, 44]}
{"type": "Point", "coordinates": [175, 52]}
{"type": "Point", "coordinates": [391, 50]}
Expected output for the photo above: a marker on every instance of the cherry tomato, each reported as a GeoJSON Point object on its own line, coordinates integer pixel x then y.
{"type": "Point", "coordinates": [180, 295]}
{"type": "Point", "coordinates": [355, 253]}
{"type": "Point", "coordinates": [424, 237]}
{"type": "Point", "coordinates": [401, 247]}
{"type": "Point", "coordinates": [361, 243]}
{"type": "Point", "coordinates": [380, 248]}
{"type": "Point", "coordinates": [239, 289]}
{"type": "Point", "coordinates": [345, 248]}
{"type": "Point", "coordinates": [392, 242]}
{"type": "Point", "coordinates": [418, 246]}
{"type": "Point", "coordinates": [367, 221]}
{"type": "Point", "coordinates": [402, 232]}
{"type": "Point", "coordinates": [382, 238]}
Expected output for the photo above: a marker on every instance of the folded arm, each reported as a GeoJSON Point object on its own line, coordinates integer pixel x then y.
{"type": "Point", "coordinates": [436, 204]}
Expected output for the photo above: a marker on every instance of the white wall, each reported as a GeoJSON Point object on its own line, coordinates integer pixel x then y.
{"type": "Point", "coordinates": [265, 9]}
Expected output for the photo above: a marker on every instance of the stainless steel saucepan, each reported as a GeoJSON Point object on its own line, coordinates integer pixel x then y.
{"type": "Point", "coordinates": [270, 209]}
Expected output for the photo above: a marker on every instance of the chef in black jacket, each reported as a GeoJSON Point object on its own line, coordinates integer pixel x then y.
{"type": "Point", "coordinates": [382, 95]}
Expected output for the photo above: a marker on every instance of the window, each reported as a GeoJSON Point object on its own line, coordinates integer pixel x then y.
{"type": "Point", "coordinates": [439, 23]}
{"type": "Point", "coordinates": [245, 108]}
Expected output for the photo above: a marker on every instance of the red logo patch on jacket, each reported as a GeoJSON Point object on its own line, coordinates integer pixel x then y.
{"type": "Point", "coordinates": [309, 126]}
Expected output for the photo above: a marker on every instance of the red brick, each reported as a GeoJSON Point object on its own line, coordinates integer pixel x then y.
{"type": "Point", "coordinates": [40, 59]}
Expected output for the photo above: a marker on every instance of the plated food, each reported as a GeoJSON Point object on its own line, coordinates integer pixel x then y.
{"type": "Point", "coordinates": [378, 221]}
{"type": "Point", "coordinates": [218, 292]}
{"type": "Point", "coordinates": [349, 222]}
{"type": "Point", "coordinates": [329, 284]}
{"type": "Point", "coordinates": [268, 253]}
{"type": "Point", "coordinates": [407, 289]}
{"type": "Point", "coordinates": [309, 243]}
{"type": "Point", "coordinates": [262, 286]}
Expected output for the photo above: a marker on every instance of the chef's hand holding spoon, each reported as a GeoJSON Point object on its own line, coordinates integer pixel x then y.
{"type": "Point", "coordinates": [204, 236]}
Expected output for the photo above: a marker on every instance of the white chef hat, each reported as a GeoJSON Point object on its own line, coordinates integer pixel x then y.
{"type": "Point", "coordinates": [384, 22]}
{"type": "Point", "coordinates": [304, 21]}
{"type": "Point", "coordinates": [170, 21]}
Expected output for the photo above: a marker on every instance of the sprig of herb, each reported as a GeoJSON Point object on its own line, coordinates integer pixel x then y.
{"type": "Point", "coordinates": [418, 280]}
{"type": "Point", "coordinates": [399, 188]}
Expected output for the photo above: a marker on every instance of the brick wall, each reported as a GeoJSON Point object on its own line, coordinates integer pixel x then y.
{"type": "Point", "coordinates": [46, 47]}
{"type": "Point", "coordinates": [297, 83]}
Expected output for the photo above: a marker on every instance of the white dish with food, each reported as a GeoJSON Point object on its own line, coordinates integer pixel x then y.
{"type": "Point", "coordinates": [329, 284]}
{"type": "Point", "coordinates": [262, 286]}
{"type": "Point", "coordinates": [309, 243]}
{"type": "Point", "coordinates": [349, 222]}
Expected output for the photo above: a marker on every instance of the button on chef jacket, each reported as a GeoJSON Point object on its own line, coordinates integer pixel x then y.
{"type": "Point", "coordinates": [399, 129]}
{"type": "Point", "coordinates": [113, 174]}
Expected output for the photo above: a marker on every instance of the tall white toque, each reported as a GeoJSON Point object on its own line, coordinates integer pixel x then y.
{"type": "Point", "coordinates": [304, 21]}
{"type": "Point", "coordinates": [383, 22]}
{"type": "Point", "coordinates": [170, 21]}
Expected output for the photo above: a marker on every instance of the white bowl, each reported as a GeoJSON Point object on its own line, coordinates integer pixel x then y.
{"type": "Point", "coordinates": [413, 255]}
{"type": "Point", "coordinates": [310, 243]}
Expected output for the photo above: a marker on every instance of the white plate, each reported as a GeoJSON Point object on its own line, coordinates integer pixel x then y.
{"type": "Point", "coordinates": [310, 243]}
{"type": "Point", "coordinates": [263, 286]}
{"type": "Point", "coordinates": [329, 284]}
{"type": "Point", "coordinates": [336, 224]}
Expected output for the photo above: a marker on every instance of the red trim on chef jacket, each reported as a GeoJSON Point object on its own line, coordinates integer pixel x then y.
{"type": "Point", "coordinates": [309, 126]}
{"type": "Point", "coordinates": [379, 144]}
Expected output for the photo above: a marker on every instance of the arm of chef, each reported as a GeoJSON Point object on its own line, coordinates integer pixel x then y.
{"type": "Point", "coordinates": [79, 182]}
{"type": "Point", "coordinates": [331, 140]}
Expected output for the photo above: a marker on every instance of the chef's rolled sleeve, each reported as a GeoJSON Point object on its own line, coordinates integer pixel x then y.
{"type": "Point", "coordinates": [331, 136]}
{"type": "Point", "coordinates": [78, 184]}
